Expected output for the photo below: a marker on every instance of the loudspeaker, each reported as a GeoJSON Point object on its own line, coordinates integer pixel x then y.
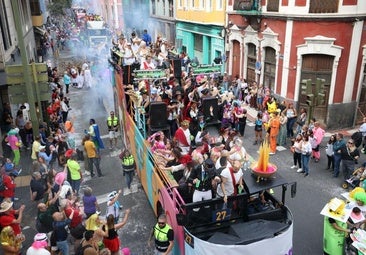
{"type": "Point", "coordinates": [158, 115]}
{"type": "Point", "coordinates": [177, 68]}
{"type": "Point", "coordinates": [206, 104]}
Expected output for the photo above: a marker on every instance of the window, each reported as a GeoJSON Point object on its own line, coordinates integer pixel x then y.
{"type": "Point", "coordinates": [4, 26]}
{"type": "Point", "coordinates": [171, 8]}
{"type": "Point", "coordinates": [252, 59]}
{"type": "Point", "coordinates": [198, 42]}
{"type": "Point", "coordinates": [192, 3]}
{"type": "Point", "coordinates": [203, 4]}
{"type": "Point", "coordinates": [209, 5]}
{"type": "Point", "coordinates": [219, 5]}
{"type": "Point", "coordinates": [153, 7]}
{"type": "Point", "coordinates": [35, 8]}
{"type": "Point", "coordinates": [272, 5]}
{"type": "Point", "coordinates": [323, 6]}
{"type": "Point", "coordinates": [270, 68]}
{"type": "Point", "coordinates": [180, 4]}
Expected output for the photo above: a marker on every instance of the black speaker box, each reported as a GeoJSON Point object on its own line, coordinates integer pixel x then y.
{"type": "Point", "coordinates": [177, 68]}
{"type": "Point", "coordinates": [206, 104]}
{"type": "Point", "coordinates": [158, 115]}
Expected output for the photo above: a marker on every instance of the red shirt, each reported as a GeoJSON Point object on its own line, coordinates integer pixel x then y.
{"type": "Point", "coordinates": [76, 219]}
{"type": "Point", "coordinates": [7, 220]}
{"type": "Point", "coordinates": [10, 187]}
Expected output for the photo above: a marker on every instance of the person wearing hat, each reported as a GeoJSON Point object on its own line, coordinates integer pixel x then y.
{"type": "Point", "coordinates": [95, 134]}
{"type": "Point", "coordinates": [113, 205]}
{"type": "Point", "coordinates": [201, 178]}
{"type": "Point", "coordinates": [183, 137]}
{"type": "Point", "coordinates": [42, 154]}
{"type": "Point", "coordinates": [96, 224]}
{"type": "Point", "coordinates": [14, 144]}
{"type": "Point", "coordinates": [39, 245]}
{"type": "Point", "coordinates": [11, 217]}
{"type": "Point", "coordinates": [173, 116]}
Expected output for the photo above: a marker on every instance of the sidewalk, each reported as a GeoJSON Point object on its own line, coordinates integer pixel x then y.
{"type": "Point", "coordinates": [252, 114]}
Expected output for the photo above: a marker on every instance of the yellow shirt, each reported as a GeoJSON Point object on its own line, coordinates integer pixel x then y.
{"type": "Point", "coordinates": [90, 149]}
{"type": "Point", "coordinates": [35, 149]}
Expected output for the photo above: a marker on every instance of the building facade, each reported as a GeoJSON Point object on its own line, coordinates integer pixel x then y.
{"type": "Point", "coordinates": [310, 52]}
{"type": "Point", "coordinates": [162, 13]}
{"type": "Point", "coordinates": [8, 34]}
{"type": "Point", "coordinates": [199, 29]}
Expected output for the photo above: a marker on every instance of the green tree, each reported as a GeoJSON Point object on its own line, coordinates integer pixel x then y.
{"type": "Point", "coordinates": [58, 7]}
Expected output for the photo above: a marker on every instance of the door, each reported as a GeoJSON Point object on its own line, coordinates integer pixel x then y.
{"type": "Point", "coordinates": [236, 59]}
{"type": "Point", "coordinates": [314, 96]}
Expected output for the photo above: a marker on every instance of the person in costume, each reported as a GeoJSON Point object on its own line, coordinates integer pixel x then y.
{"type": "Point", "coordinates": [183, 137]}
{"type": "Point", "coordinates": [95, 134]}
{"type": "Point", "coordinates": [10, 243]}
{"type": "Point", "coordinates": [95, 224]}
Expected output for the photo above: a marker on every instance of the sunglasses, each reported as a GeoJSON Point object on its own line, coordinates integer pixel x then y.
{"type": "Point", "coordinates": [161, 223]}
{"type": "Point", "coordinates": [350, 142]}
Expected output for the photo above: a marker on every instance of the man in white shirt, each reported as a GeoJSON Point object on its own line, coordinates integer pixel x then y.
{"type": "Point", "coordinates": [362, 129]}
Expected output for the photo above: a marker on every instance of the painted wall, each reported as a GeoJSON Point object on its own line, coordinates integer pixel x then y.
{"type": "Point", "coordinates": [201, 14]}
{"type": "Point", "coordinates": [212, 40]}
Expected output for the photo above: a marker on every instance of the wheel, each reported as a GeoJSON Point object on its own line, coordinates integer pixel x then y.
{"type": "Point", "coordinates": [345, 185]}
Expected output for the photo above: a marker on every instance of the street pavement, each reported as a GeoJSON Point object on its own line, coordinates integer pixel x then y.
{"type": "Point", "coordinates": [86, 104]}
{"type": "Point", "coordinates": [312, 192]}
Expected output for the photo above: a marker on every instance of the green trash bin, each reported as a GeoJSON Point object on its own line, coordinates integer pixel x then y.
{"type": "Point", "coordinates": [333, 239]}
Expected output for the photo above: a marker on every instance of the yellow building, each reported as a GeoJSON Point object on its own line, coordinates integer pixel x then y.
{"type": "Point", "coordinates": [199, 29]}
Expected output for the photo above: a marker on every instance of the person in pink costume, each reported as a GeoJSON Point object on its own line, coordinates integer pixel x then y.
{"type": "Point", "coordinates": [14, 145]}
{"type": "Point", "coordinates": [319, 134]}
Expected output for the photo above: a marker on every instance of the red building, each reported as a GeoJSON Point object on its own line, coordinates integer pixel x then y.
{"type": "Point", "coordinates": [284, 44]}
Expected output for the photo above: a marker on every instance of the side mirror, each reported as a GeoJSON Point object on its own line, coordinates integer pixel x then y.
{"type": "Point", "coordinates": [293, 189]}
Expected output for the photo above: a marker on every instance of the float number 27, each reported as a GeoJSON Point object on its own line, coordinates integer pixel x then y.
{"type": "Point", "coordinates": [222, 214]}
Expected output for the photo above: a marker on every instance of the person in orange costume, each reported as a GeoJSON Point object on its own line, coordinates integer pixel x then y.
{"type": "Point", "coordinates": [274, 125]}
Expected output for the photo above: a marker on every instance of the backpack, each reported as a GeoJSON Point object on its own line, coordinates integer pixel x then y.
{"type": "Point", "coordinates": [2, 185]}
{"type": "Point", "coordinates": [80, 250]}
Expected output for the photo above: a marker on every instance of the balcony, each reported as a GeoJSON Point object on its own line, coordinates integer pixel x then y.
{"type": "Point", "coordinates": [247, 7]}
{"type": "Point", "coordinates": [323, 6]}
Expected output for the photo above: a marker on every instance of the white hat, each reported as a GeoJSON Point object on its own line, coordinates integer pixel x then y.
{"type": "Point", "coordinates": [40, 237]}
{"type": "Point", "coordinates": [42, 147]}
{"type": "Point", "coordinates": [112, 194]}
{"type": "Point", "coordinates": [6, 205]}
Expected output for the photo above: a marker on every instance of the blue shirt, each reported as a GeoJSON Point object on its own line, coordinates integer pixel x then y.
{"type": "Point", "coordinates": [146, 38]}
{"type": "Point", "coordinates": [44, 155]}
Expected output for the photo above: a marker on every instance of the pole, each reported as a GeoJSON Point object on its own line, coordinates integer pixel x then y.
{"type": "Point", "coordinates": [27, 72]}
{"type": "Point", "coordinates": [35, 79]}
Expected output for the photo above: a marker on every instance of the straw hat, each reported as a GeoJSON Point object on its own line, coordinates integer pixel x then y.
{"type": "Point", "coordinates": [5, 206]}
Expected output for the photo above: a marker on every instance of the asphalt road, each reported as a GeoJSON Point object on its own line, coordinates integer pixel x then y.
{"type": "Point", "coordinates": [312, 192]}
